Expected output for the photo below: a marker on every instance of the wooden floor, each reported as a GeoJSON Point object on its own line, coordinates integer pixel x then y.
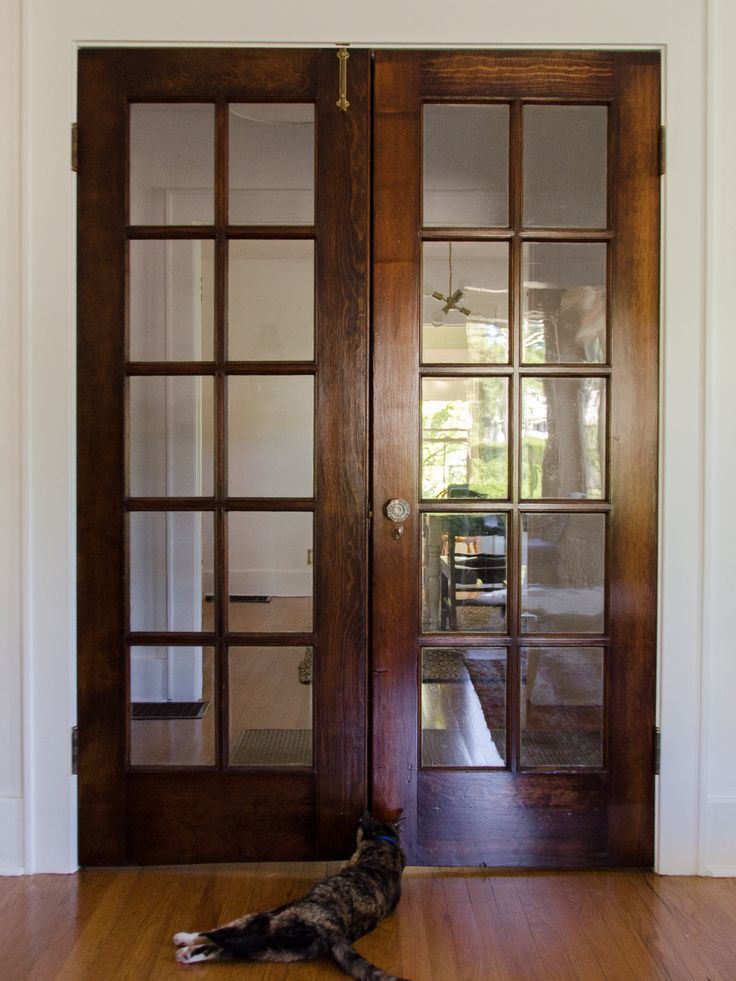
{"type": "Point", "coordinates": [451, 925]}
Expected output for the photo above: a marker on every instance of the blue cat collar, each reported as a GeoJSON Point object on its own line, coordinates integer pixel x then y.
{"type": "Point", "coordinates": [388, 838]}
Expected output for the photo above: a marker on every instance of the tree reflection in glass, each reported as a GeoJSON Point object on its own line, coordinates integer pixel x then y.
{"type": "Point", "coordinates": [465, 437]}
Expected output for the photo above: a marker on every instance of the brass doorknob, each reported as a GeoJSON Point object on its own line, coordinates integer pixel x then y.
{"type": "Point", "coordinates": [397, 510]}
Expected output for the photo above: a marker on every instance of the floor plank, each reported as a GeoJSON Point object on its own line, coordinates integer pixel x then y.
{"type": "Point", "coordinates": [451, 925]}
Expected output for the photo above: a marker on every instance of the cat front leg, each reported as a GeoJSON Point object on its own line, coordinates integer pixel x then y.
{"type": "Point", "coordinates": [193, 947]}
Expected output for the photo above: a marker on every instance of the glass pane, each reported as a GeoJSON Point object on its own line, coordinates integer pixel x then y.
{"type": "Point", "coordinates": [564, 302]}
{"type": "Point", "coordinates": [563, 437]}
{"type": "Point", "coordinates": [270, 435]}
{"type": "Point", "coordinates": [465, 302]}
{"type": "Point", "coordinates": [271, 571]}
{"type": "Point", "coordinates": [172, 164]}
{"type": "Point", "coordinates": [271, 301]}
{"type": "Point", "coordinates": [464, 572]}
{"type": "Point", "coordinates": [466, 165]}
{"type": "Point", "coordinates": [562, 573]}
{"type": "Point", "coordinates": [170, 445]}
{"type": "Point", "coordinates": [172, 305]}
{"type": "Point", "coordinates": [565, 166]}
{"type": "Point", "coordinates": [464, 437]}
{"type": "Point", "coordinates": [562, 706]}
{"type": "Point", "coordinates": [171, 568]}
{"type": "Point", "coordinates": [172, 706]}
{"type": "Point", "coordinates": [463, 706]}
{"type": "Point", "coordinates": [271, 164]}
{"type": "Point", "coordinates": [270, 696]}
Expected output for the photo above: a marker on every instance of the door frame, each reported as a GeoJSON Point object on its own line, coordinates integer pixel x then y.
{"type": "Point", "coordinates": [39, 813]}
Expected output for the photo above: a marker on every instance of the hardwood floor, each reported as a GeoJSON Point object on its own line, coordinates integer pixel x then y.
{"type": "Point", "coordinates": [451, 925]}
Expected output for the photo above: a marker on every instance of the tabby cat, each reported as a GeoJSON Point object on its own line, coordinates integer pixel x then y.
{"type": "Point", "coordinates": [334, 913]}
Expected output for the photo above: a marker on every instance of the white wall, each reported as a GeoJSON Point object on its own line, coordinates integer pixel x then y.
{"type": "Point", "coordinates": [11, 592]}
{"type": "Point", "coordinates": [717, 841]}
{"type": "Point", "coordinates": [697, 794]}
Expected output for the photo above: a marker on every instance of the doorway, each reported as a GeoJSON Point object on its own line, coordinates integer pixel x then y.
{"type": "Point", "coordinates": [247, 443]}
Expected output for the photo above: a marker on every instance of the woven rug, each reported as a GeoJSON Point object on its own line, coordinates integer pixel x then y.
{"type": "Point", "coordinates": [304, 669]}
{"type": "Point", "coordinates": [271, 747]}
{"type": "Point", "coordinates": [540, 747]}
{"type": "Point", "coordinates": [168, 710]}
{"type": "Point", "coordinates": [554, 735]}
{"type": "Point", "coordinates": [443, 664]}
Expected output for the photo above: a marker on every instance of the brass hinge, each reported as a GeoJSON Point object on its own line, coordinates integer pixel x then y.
{"type": "Point", "coordinates": [657, 751]}
{"type": "Point", "coordinates": [75, 750]}
{"type": "Point", "coordinates": [75, 148]}
{"type": "Point", "coordinates": [662, 150]}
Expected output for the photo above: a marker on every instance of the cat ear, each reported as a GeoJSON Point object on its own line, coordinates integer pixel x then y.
{"type": "Point", "coordinates": [365, 818]}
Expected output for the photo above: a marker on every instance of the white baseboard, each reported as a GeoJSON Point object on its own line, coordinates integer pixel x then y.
{"type": "Point", "coordinates": [12, 858]}
{"type": "Point", "coordinates": [718, 849]}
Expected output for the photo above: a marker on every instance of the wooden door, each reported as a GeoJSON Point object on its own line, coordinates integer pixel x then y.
{"type": "Point", "coordinates": [222, 441]}
{"type": "Point", "coordinates": [516, 205]}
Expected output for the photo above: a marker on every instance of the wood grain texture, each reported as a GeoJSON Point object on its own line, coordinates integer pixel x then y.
{"type": "Point", "coordinates": [635, 200]}
{"type": "Point", "coordinates": [218, 817]}
{"type": "Point", "coordinates": [396, 295]}
{"type": "Point", "coordinates": [165, 816]}
{"type": "Point", "coordinates": [206, 74]}
{"type": "Point", "coordinates": [342, 253]}
{"type": "Point", "coordinates": [449, 926]}
{"type": "Point", "coordinates": [522, 820]}
{"type": "Point", "coordinates": [100, 461]}
{"type": "Point", "coordinates": [564, 819]}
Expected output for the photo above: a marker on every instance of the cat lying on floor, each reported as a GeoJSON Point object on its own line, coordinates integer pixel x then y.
{"type": "Point", "coordinates": [334, 913]}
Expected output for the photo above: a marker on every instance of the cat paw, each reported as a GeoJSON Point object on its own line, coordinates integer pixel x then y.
{"type": "Point", "coordinates": [184, 939]}
{"type": "Point", "coordinates": [199, 952]}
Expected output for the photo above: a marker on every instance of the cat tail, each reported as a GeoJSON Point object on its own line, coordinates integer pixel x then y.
{"type": "Point", "coordinates": [349, 960]}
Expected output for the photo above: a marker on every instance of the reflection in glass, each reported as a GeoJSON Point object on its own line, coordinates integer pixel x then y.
{"type": "Point", "coordinates": [270, 571]}
{"type": "Point", "coordinates": [463, 706]}
{"type": "Point", "coordinates": [466, 165]}
{"type": "Point", "coordinates": [170, 454]}
{"type": "Point", "coordinates": [562, 706]}
{"type": "Point", "coordinates": [271, 301]}
{"type": "Point", "coordinates": [270, 706]}
{"type": "Point", "coordinates": [271, 164]}
{"type": "Point", "coordinates": [565, 166]}
{"type": "Point", "coordinates": [172, 163]}
{"type": "Point", "coordinates": [563, 437]}
{"type": "Point", "coordinates": [562, 573]}
{"type": "Point", "coordinates": [564, 302]}
{"type": "Point", "coordinates": [464, 437]}
{"type": "Point", "coordinates": [464, 572]}
{"type": "Point", "coordinates": [172, 706]}
{"type": "Point", "coordinates": [465, 302]}
{"type": "Point", "coordinates": [171, 306]}
{"type": "Point", "coordinates": [270, 435]}
{"type": "Point", "coordinates": [171, 558]}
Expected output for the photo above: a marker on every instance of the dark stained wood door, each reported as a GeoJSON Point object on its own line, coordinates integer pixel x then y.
{"type": "Point", "coordinates": [222, 440]}
{"type": "Point", "coordinates": [234, 478]}
{"type": "Point", "coordinates": [516, 238]}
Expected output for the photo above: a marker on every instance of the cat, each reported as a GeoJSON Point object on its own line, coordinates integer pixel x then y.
{"type": "Point", "coordinates": [334, 913]}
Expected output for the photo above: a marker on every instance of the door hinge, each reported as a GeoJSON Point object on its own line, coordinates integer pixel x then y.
{"type": "Point", "coordinates": [75, 750]}
{"type": "Point", "coordinates": [657, 751]}
{"type": "Point", "coordinates": [75, 148]}
{"type": "Point", "coordinates": [662, 150]}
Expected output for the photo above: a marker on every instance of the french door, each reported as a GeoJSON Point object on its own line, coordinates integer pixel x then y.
{"type": "Point", "coordinates": [516, 308]}
{"type": "Point", "coordinates": [324, 563]}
